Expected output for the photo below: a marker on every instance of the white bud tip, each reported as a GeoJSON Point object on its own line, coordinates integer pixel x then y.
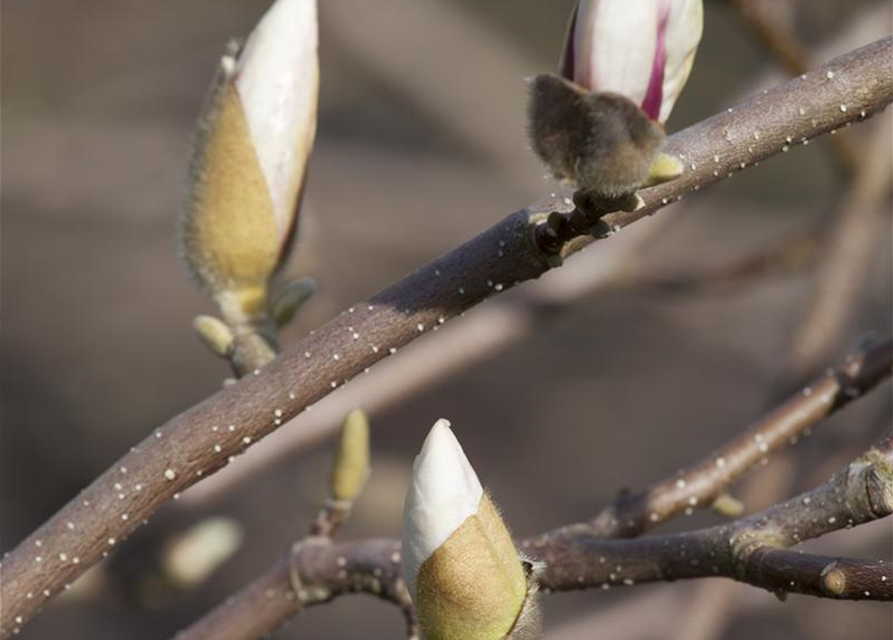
{"type": "Point", "coordinates": [443, 494]}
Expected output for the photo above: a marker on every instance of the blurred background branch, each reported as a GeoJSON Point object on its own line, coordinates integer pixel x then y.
{"type": "Point", "coordinates": [581, 556]}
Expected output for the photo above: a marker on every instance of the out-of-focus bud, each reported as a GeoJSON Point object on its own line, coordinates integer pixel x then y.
{"type": "Point", "coordinates": [216, 335]}
{"type": "Point", "coordinates": [290, 298]}
{"type": "Point", "coordinates": [194, 555]}
{"type": "Point", "coordinates": [351, 469]}
{"type": "Point", "coordinates": [641, 49]}
{"type": "Point", "coordinates": [599, 126]}
{"type": "Point", "coordinates": [461, 567]}
{"type": "Point", "coordinates": [250, 161]}
{"type": "Point", "coordinates": [728, 505]}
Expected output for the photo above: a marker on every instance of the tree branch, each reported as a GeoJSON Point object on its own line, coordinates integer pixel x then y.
{"type": "Point", "coordinates": [785, 45]}
{"type": "Point", "coordinates": [634, 514]}
{"type": "Point", "coordinates": [505, 320]}
{"type": "Point", "coordinates": [793, 254]}
{"type": "Point", "coordinates": [312, 572]}
{"type": "Point", "coordinates": [751, 550]}
{"type": "Point", "coordinates": [206, 437]}
{"type": "Point", "coordinates": [847, 255]}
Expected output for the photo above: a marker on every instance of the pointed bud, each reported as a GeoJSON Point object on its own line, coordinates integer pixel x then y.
{"type": "Point", "coordinates": [351, 469]}
{"type": "Point", "coordinates": [216, 335]}
{"type": "Point", "coordinates": [461, 566]}
{"type": "Point", "coordinates": [250, 159]}
{"type": "Point", "coordinates": [290, 298]}
{"type": "Point", "coordinates": [643, 50]}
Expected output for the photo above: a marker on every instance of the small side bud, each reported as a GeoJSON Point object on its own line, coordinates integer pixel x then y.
{"type": "Point", "coordinates": [194, 555]}
{"type": "Point", "coordinates": [599, 142]}
{"type": "Point", "coordinates": [664, 169]}
{"type": "Point", "coordinates": [728, 505]}
{"type": "Point", "coordinates": [290, 298]}
{"type": "Point", "coordinates": [351, 469]}
{"type": "Point", "coordinates": [833, 580]}
{"type": "Point", "coordinates": [215, 335]}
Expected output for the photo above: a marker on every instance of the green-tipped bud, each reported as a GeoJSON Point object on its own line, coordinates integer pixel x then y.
{"type": "Point", "coordinates": [463, 572]}
{"type": "Point", "coordinates": [215, 335]}
{"type": "Point", "coordinates": [664, 169]}
{"type": "Point", "coordinates": [191, 557]}
{"type": "Point", "coordinates": [250, 160]}
{"type": "Point", "coordinates": [351, 469]}
{"type": "Point", "coordinates": [728, 505]}
{"type": "Point", "coordinates": [290, 298]}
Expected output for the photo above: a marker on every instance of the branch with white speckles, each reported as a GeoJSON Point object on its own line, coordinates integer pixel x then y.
{"type": "Point", "coordinates": [707, 481]}
{"type": "Point", "coordinates": [313, 572]}
{"type": "Point", "coordinates": [206, 437]}
{"type": "Point", "coordinates": [754, 550]}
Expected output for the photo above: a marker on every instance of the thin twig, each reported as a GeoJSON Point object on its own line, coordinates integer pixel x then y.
{"type": "Point", "coordinates": [792, 255]}
{"type": "Point", "coordinates": [753, 550]}
{"type": "Point", "coordinates": [636, 513]}
{"type": "Point", "coordinates": [847, 256]}
{"type": "Point", "coordinates": [313, 572]}
{"type": "Point", "coordinates": [785, 45]}
{"type": "Point", "coordinates": [709, 607]}
{"type": "Point", "coordinates": [206, 437]}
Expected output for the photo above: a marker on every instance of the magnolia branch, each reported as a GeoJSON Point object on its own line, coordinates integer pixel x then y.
{"type": "Point", "coordinates": [785, 45]}
{"type": "Point", "coordinates": [313, 572]}
{"type": "Point", "coordinates": [208, 436]}
{"type": "Point", "coordinates": [635, 513]}
{"type": "Point", "coordinates": [751, 550]}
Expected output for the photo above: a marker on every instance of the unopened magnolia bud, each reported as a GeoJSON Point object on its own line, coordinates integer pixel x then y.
{"type": "Point", "coordinates": [249, 164]}
{"type": "Point", "coordinates": [624, 65]}
{"type": "Point", "coordinates": [290, 298]}
{"type": "Point", "coordinates": [600, 142]}
{"type": "Point", "coordinates": [351, 469]}
{"type": "Point", "coordinates": [216, 335]}
{"type": "Point", "coordinates": [461, 567]}
{"type": "Point", "coordinates": [195, 554]}
{"type": "Point", "coordinates": [642, 49]}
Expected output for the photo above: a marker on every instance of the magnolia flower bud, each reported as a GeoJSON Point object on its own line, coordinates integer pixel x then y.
{"type": "Point", "coordinates": [599, 126]}
{"type": "Point", "coordinates": [462, 569]}
{"type": "Point", "coordinates": [351, 469]}
{"type": "Point", "coordinates": [250, 160]}
{"type": "Point", "coordinates": [641, 49]}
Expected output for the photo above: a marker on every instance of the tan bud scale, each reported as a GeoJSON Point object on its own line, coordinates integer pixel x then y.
{"type": "Point", "coordinates": [229, 231]}
{"type": "Point", "coordinates": [599, 142]}
{"type": "Point", "coordinates": [473, 586]}
{"type": "Point", "coordinates": [351, 469]}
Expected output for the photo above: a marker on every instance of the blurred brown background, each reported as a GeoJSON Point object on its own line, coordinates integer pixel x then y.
{"type": "Point", "coordinates": [421, 144]}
